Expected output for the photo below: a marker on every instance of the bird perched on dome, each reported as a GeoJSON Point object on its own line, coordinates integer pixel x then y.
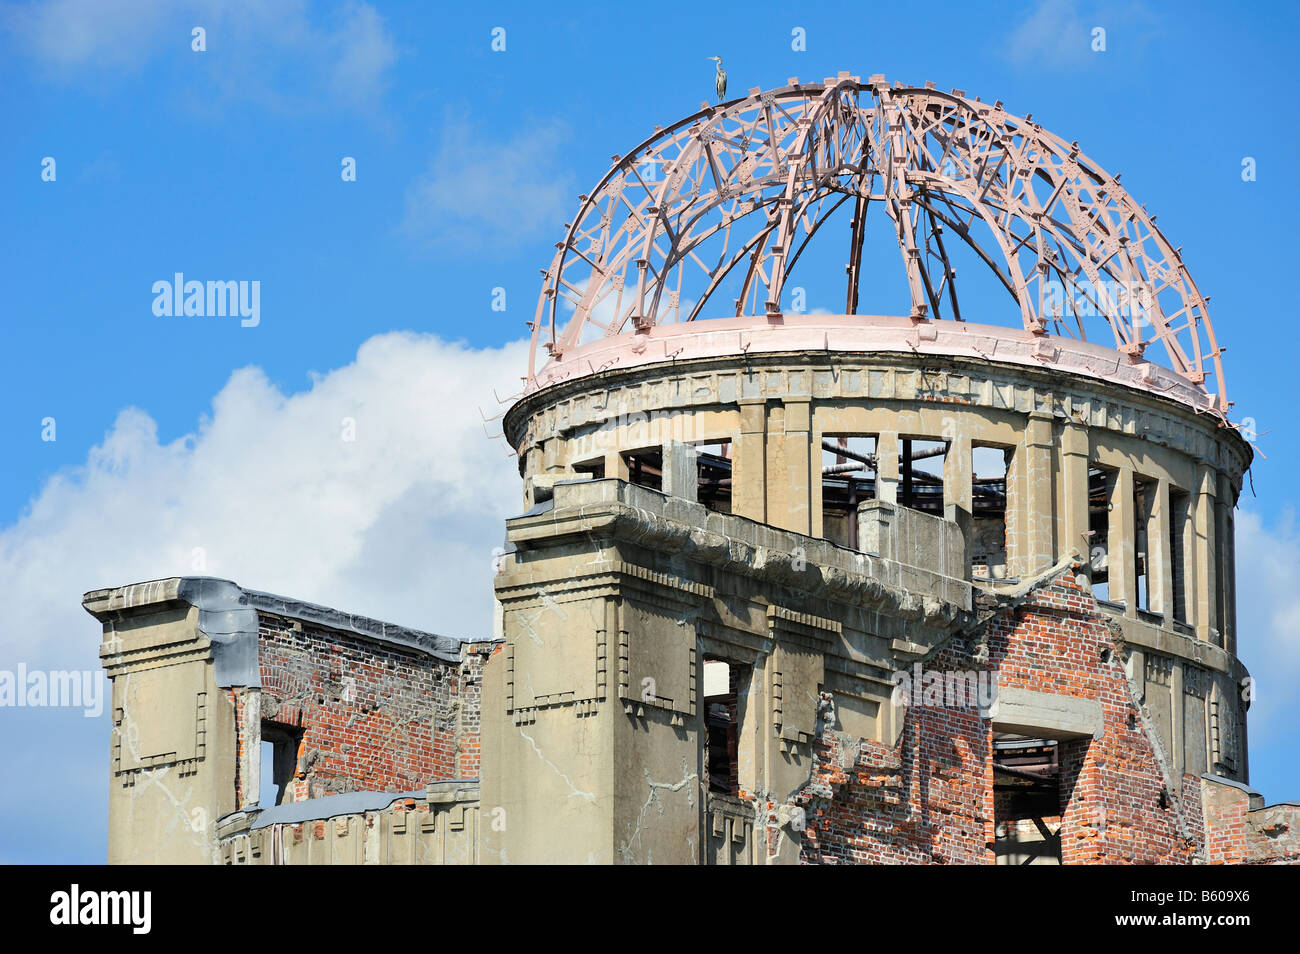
{"type": "Point", "coordinates": [720, 79]}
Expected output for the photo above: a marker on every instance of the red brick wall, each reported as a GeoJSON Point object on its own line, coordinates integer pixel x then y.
{"type": "Point", "coordinates": [470, 708]}
{"type": "Point", "coordinates": [237, 698]}
{"type": "Point", "coordinates": [1240, 830]}
{"type": "Point", "coordinates": [929, 798]}
{"type": "Point", "coordinates": [1111, 787]}
{"type": "Point", "coordinates": [374, 717]}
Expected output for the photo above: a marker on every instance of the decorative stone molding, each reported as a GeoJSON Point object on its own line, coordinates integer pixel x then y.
{"type": "Point", "coordinates": [965, 381]}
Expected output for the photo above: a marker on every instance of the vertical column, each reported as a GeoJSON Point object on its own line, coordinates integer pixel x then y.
{"type": "Point", "coordinates": [553, 456]}
{"type": "Point", "coordinates": [790, 506]}
{"type": "Point", "coordinates": [958, 500]}
{"type": "Point", "coordinates": [1120, 537]}
{"type": "Point", "coordinates": [615, 465]}
{"type": "Point", "coordinates": [1034, 511]}
{"type": "Point", "coordinates": [887, 467]}
{"type": "Point", "coordinates": [1207, 623]}
{"type": "Point", "coordinates": [749, 462]}
{"type": "Point", "coordinates": [1178, 719]}
{"type": "Point", "coordinates": [1243, 750]}
{"type": "Point", "coordinates": [1227, 601]}
{"type": "Point", "coordinates": [179, 733]}
{"type": "Point", "coordinates": [1182, 549]}
{"type": "Point", "coordinates": [1160, 564]}
{"type": "Point", "coordinates": [1229, 547]}
{"type": "Point", "coordinates": [1075, 451]}
{"type": "Point", "coordinates": [681, 474]}
{"type": "Point", "coordinates": [816, 505]}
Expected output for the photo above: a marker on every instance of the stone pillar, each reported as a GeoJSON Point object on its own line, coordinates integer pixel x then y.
{"type": "Point", "coordinates": [1243, 749]}
{"type": "Point", "coordinates": [958, 495]}
{"type": "Point", "coordinates": [749, 462]}
{"type": "Point", "coordinates": [1033, 503]}
{"type": "Point", "coordinates": [1207, 623]}
{"type": "Point", "coordinates": [179, 704]}
{"type": "Point", "coordinates": [1183, 531]}
{"type": "Point", "coordinates": [681, 472]}
{"type": "Point", "coordinates": [1177, 719]}
{"type": "Point", "coordinates": [1075, 453]}
{"type": "Point", "coordinates": [1120, 538]}
{"type": "Point", "coordinates": [553, 461]}
{"type": "Point", "coordinates": [887, 467]}
{"type": "Point", "coordinates": [1160, 564]}
{"type": "Point", "coordinates": [1224, 535]}
{"type": "Point", "coordinates": [789, 503]}
{"type": "Point", "coordinates": [592, 705]}
{"type": "Point", "coordinates": [616, 465]}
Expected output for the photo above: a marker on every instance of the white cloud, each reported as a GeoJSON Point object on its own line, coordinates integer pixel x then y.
{"type": "Point", "coordinates": [70, 34]}
{"type": "Point", "coordinates": [1058, 34]}
{"type": "Point", "coordinates": [271, 51]}
{"type": "Point", "coordinates": [1052, 32]}
{"type": "Point", "coordinates": [364, 52]}
{"type": "Point", "coordinates": [1268, 624]}
{"type": "Point", "coordinates": [481, 190]}
{"type": "Point", "coordinates": [398, 524]}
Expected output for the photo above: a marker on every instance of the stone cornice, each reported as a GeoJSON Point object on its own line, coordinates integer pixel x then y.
{"type": "Point", "coordinates": [610, 510]}
{"type": "Point", "coordinates": [228, 616]}
{"type": "Point", "coordinates": [710, 382]}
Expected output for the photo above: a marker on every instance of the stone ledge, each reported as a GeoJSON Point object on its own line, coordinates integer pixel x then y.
{"type": "Point", "coordinates": [614, 509]}
{"type": "Point", "coordinates": [1045, 715]}
{"type": "Point", "coordinates": [228, 617]}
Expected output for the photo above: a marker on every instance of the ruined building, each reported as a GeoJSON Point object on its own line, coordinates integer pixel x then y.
{"type": "Point", "coordinates": [787, 585]}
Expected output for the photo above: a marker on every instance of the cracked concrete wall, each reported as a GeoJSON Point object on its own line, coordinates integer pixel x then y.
{"type": "Point", "coordinates": [439, 827]}
{"type": "Point", "coordinates": [547, 757]}
{"type": "Point", "coordinates": [593, 741]}
{"type": "Point", "coordinates": [386, 711]}
{"type": "Point", "coordinates": [173, 749]}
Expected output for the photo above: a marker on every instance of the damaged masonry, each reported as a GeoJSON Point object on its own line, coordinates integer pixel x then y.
{"type": "Point", "coordinates": [785, 588]}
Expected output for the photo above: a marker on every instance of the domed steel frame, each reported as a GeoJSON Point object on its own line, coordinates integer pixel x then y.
{"type": "Point", "coordinates": [747, 184]}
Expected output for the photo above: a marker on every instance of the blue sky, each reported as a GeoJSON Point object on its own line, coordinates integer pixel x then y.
{"type": "Point", "coordinates": [189, 440]}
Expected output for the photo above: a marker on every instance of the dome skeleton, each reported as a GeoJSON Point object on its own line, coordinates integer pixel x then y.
{"type": "Point", "coordinates": [679, 215]}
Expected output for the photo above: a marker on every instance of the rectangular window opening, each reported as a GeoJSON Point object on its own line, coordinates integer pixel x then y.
{"type": "Point", "coordinates": [1144, 492]}
{"type": "Point", "coordinates": [1026, 801]}
{"type": "Point", "coordinates": [1179, 514]}
{"type": "Point", "coordinates": [279, 762]}
{"type": "Point", "coordinates": [722, 681]}
{"type": "Point", "coordinates": [848, 478]}
{"type": "Point", "coordinates": [1100, 483]}
{"type": "Point", "coordinates": [645, 468]}
{"type": "Point", "coordinates": [920, 474]}
{"type": "Point", "coordinates": [713, 467]}
{"type": "Point", "coordinates": [989, 509]}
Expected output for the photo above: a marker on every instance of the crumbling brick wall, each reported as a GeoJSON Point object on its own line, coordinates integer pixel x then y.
{"type": "Point", "coordinates": [1193, 813]}
{"type": "Point", "coordinates": [1117, 806]}
{"type": "Point", "coordinates": [238, 698]}
{"type": "Point", "coordinates": [1240, 830]}
{"type": "Point", "coordinates": [929, 798]}
{"type": "Point", "coordinates": [469, 707]}
{"type": "Point", "coordinates": [373, 716]}
{"type": "Point", "coordinates": [921, 801]}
